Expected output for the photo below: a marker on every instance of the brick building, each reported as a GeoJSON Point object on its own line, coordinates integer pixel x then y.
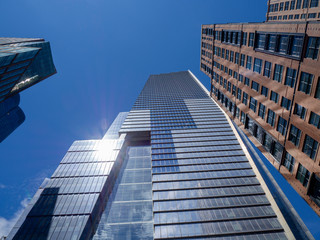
{"type": "Point", "coordinates": [266, 77]}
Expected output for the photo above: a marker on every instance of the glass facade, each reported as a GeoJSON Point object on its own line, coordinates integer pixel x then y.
{"type": "Point", "coordinates": [23, 63]}
{"type": "Point", "coordinates": [171, 168]}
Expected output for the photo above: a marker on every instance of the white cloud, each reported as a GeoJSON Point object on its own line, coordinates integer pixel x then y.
{"type": "Point", "coordinates": [7, 224]}
{"type": "Point", "coordinates": [2, 186]}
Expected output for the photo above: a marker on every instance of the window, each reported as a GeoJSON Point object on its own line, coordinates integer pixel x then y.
{"type": "Point", "coordinates": [245, 98]}
{"type": "Point", "coordinates": [290, 16]}
{"type": "Point", "coordinates": [305, 82]}
{"type": "Point", "coordinates": [312, 15]}
{"type": "Point", "coordinates": [285, 17]}
{"type": "Point", "coordinates": [294, 135]}
{"type": "Point", "coordinates": [222, 52]}
{"type": "Point", "coordinates": [234, 88]}
{"type": "Point", "coordinates": [251, 40]}
{"type": "Point", "coordinates": [230, 72]}
{"type": "Point", "coordinates": [282, 126]}
{"type": "Point", "coordinates": [235, 75]}
{"type": "Point", "coordinates": [314, 120]}
{"type": "Point", "coordinates": [229, 86]}
{"type": "Point", "coordinates": [253, 104]}
{"type": "Point", "coordinates": [296, 16]}
{"type": "Point", "coordinates": [271, 8]}
{"type": "Point", "coordinates": [305, 4]}
{"type": "Point", "coordinates": [262, 110]}
{"type": "Point", "coordinates": [274, 97]}
{"type": "Point", "coordinates": [283, 44]}
{"type": "Point", "coordinates": [238, 38]}
{"type": "Point", "coordinates": [317, 95]}
{"type": "Point", "coordinates": [292, 4]}
{"type": "Point", "coordinates": [272, 42]}
{"type": "Point", "coordinates": [255, 86]}
{"type": "Point", "coordinates": [243, 117]}
{"type": "Point", "coordinates": [244, 38]}
{"type": "Point", "coordinates": [271, 117]}
{"type": "Point", "coordinates": [286, 6]}
{"type": "Point", "coordinates": [267, 69]}
{"type": "Point", "coordinates": [242, 60]}
{"type": "Point", "coordinates": [239, 94]}
{"type": "Point", "coordinates": [225, 83]}
{"type": "Point", "coordinates": [303, 175]}
{"type": "Point", "coordinates": [313, 47]}
{"type": "Point", "coordinates": [278, 69]}
{"type": "Point", "coordinates": [246, 81]}
{"type": "Point", "coordinates": [227, 54]}
{"type": "Point", "coordinates": [219, 52]}
{"type": "Point", "coordinates": [299, 111]}
{"type": "Point", "coordinates": [314, 3]}
{"type": "Point", "coordinates": [276, 7]}
{"type": "Point", "coordinates": [236, 60]}
{"type": "Point", "coordinates": [234, 37]}
{"type": "Point", "coordinates": [310, 147]}
{"type": "Point", "coordinates": [261, 41]}
{"type": "Point", "coordinates": [240, 78]}
{"type": "Point", "coordinates": [231, 56]}
{"type": "Point", "coordinates": [257, 65]}
{"type": "Point", "coordinates": [281, 6]}
{"type": "Point", "coordinates": [286, 103]}
{"type": "Point", "coordinates": [290, 77]}
{"type": "Point", "coordinates": [289, 162]}
{"type": "Point", "coordinates": [218, 35]}
{"type": "Point", "coordinates": [264, 91]}
{"type": "Point", "coordinates": [249, 62]}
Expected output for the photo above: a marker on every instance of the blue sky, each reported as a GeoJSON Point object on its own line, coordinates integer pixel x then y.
{"type": "Point", "coordinates": [104, 52]}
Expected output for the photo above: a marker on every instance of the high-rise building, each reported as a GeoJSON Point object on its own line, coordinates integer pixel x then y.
{"type": "Point", "coordinates": [23, 63]}
{"type": "Point", "coordinates": [174, 167]}
{"type": "Point", "coordinates": [266, 77]}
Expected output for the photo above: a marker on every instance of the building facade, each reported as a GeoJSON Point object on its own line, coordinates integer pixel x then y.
{"type": "Point", "coordinates": [266, 77]}
{"type": "Point", "coordinates": [174, 167]}
{"type": "Point", "coordinates": [293, 10]}
{"type": "Point", "coordinates": [23, 63]}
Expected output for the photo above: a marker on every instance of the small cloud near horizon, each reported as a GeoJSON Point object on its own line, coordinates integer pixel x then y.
{"type": "Point", "coordinates": [7, 224]}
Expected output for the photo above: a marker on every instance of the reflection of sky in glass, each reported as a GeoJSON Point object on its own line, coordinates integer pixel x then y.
{"type": "Point", "coordinates": [128, 214]}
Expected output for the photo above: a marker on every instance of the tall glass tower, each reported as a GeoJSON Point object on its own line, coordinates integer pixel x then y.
{"type": "Point", "coordinates": [174, 167]}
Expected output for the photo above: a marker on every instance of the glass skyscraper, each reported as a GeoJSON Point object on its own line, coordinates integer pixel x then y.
{"type": "Point", "coordinates": [23, 63]}
{"type": "Point", "coordinates": [174, 167]}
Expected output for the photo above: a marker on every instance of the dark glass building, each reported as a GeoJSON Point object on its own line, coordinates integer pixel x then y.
{"type": "Point", "coordinates": [23, 63]}
{"type": "Point", "coordinates": [174, 167]}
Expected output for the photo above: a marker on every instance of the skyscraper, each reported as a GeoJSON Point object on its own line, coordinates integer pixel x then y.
{"type": "Point", "coordinates": [174, 167]}
{"type": "Point", "coordinates": [23, 63]}
{"type": "Point", "coordinates": [266, 77]}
